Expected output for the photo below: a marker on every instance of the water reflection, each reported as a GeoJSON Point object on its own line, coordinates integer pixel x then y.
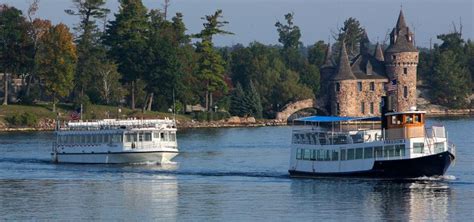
{"type": "Point", "coordinates": [419, 200]}
{"type": "Point", "coordinates": [154, 198]}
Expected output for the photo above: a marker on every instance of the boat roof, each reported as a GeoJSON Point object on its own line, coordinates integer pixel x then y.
{"type": "Point", "coordinates": [405, 112]}
{"type": "Point", "coordinates": [328, 119]}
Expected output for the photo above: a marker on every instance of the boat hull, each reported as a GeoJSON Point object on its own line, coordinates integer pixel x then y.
{"type": "Point", "coordinates": [115, 158]}
{"type": "Point", "coordinates": [431, 165]}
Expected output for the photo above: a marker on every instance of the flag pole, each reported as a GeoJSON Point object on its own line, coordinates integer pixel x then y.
{"type": "Point", "coordinates": [81, 112]}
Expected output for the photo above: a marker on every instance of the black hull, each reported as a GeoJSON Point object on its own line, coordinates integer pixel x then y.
{"type": "Point", "coordinates": [433, 165]}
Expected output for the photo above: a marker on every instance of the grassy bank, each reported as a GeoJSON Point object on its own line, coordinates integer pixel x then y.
{"type": "Point", "coordinates": [41, 116]}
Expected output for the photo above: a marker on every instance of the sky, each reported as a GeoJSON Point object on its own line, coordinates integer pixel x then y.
{"type": "Point", "coordinates": [254, 20]}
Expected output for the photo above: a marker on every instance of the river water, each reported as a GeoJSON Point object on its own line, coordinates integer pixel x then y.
{"type": "Point", "coordinates": [235, 174]}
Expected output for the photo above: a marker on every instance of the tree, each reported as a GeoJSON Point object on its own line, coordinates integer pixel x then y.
{"type": "Point", "coordinates": [90, 54]}
{"type": "Point", "coordinates": [14, 45]}
{"type": "Point", "coordinates": [237, 101]}
{"type": "Point", "coordinates": [56, 60]}
{"type": "Point", "coordinates": [211, 65]}
{"type": "Point", "coordinates": [253, 101]}
{"type": "Point", "coordinates": [289, 35]}
{"type": "Point", "coordinates": [126, 39]}
{"type": "Point", "coordinates": [317, 53]}
{"type": "Point", "coordinates": [351, 33]}
{"type": "Point", "coordinates": [451, 80]}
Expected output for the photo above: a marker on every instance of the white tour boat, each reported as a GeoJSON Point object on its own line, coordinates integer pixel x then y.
{"type": "Point", "coordinates": [116, 141]}
{"type": "Point", "coordinates": [342, 146]}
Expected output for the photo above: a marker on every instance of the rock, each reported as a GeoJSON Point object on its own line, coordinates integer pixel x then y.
{"type": "Point", "coordinates": [248, 120]}
{"type": "Point", "coordinates": [234, 120]}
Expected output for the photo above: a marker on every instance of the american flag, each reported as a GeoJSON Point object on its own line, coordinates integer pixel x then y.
{"type": "Point", "coordinates": [391, 86]}
{"type": "Point", "coordinates": [76, 114]}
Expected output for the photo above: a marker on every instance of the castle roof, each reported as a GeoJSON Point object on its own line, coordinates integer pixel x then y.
{"type": "Point", "coordinates": [364, 43]}
{"type": "Point", "coordinates": [327, 60]}
{"type": "Point", "coordinates": [378, 54]}
{"type": "Point", "coordinates": [365, 66]}
{"type": "Point", "coordinates": [343, 71]}
{"type": "Point", "coordinates": [401, 39]}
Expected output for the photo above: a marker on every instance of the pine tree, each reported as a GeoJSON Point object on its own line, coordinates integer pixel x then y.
{"type": "Point", "coordinates": [126, 38]}
{"type": "Point", "coordinates": [254, 102]}
{"type": "Point", "coordinates": [237, 101]}
{"type": "Point", "coordinates": [451, 80]}
{"type": "Point", "coordinates": [89, 50]}
{"type": "Point", "coordinates": [211, 65]}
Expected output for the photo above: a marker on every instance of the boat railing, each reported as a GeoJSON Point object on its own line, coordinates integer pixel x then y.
{"type": "Point", "coordinates": [118, 124]}
{"type": "Point", "coordinates": [321, 137]}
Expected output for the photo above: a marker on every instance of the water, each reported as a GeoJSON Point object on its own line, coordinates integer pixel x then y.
{"type": "Point", "coordinates": [235, 174]}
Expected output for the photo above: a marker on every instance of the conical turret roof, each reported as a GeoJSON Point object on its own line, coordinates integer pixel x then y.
{"type": "Point", "coordinates": [343, 71]}
{"type": "Point", "coordinates": [364, 43]}
{"type": "Point", "coordinates": [378, 54]}
{"type": "Point", "coordinates": [401, 21]}
{"type": "Point", "coordinates": [401, 39]}
{"type": "Point", "coordinates": [327, 60]}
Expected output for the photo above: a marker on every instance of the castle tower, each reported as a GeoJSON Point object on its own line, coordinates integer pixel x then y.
{"type": "Point", "coordinates": [343, 84]}
{"type": "Point", "coordinates": [401, 60]}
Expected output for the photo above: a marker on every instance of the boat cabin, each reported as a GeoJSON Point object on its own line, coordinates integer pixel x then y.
{"type": "Point", "coordinates": [405, 125]}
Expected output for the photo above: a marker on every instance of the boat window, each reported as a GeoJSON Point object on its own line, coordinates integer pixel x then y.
{"type": "Point", "coordinates": [418, 147]}
{"type": "Point", "coordinates": [409, 119]}
{"type": "Point", "coordinates": [106, 138]}
{"type": "Point", "coordinates": [83, 138]}
{"type": "Point", "coordinates": [298, 154]}
{"type": "Point", "coordinates": [368, 153]}
{"type": "Point", "coordinates": [147, 136]}
{"type": "Point", "coordinates": [439, 147]}
{"type": "Point", "coordinates": [313, 155]}
{"type": "Point", "coordinates": [359, 153]}
{"type": "Point", "coordinates": [388, 151]}
{"type": "Point", "coordinates": [140, 137]}
{"type": "Point", "coordinates": [400, 150]}
{"type": "Point", "coordinates": [162, 136]}
{"type": "Point", "coordinates": [306, 154]}
{"type": "Point", "coordinates": [156, 135]}
{"type": "Point", "coordinates": [70, 139]}
{"type": "Point", "coordinates": [350, 154]}
{"type": "Point", "coordinates": [335, 155]}
{"type": "Point", "coordinates": [343, 154]}
{"type": "Point", "coordinates": [378, 151]}
{"type": "Point", "coordinates": [327, 156]}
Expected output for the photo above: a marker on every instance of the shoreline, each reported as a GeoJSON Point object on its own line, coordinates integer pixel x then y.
{"type": "Point", "coordinates": [227, 124]}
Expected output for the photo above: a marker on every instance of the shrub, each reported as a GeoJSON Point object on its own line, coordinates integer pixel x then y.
{"type": "Point", "coordinates": [22, 120]}
{"type": "Point", "coordinates": [210, 116]}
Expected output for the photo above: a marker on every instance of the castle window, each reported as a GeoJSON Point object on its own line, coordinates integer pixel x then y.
{"type": "Point", "coordinates": [372, 86]}
{"type": "Point", "coordinates": [362, 107]}
{"type": "Point", "coordinates": [405, 92]}
{"type": "Point", "coordinates": [371, 108]}
{"type": "Point", "coordinates": [359, 86]}
{"type": "Point", "coordinates": [394, 57]}
{"type": "Point", "coordinates": [338, 87]}
{"type": "Point", "coordinates": [405, 70]}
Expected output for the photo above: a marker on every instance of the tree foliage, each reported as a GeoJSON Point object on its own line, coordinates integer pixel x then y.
{"type": "Point", "coordinates": [56, 61]}
{"type": "Point", "coordinates": [15, 45]}
{"type": "Point", "coordinates": [211, 65]}
{"type": "Point", "coordinates": [351, 33]}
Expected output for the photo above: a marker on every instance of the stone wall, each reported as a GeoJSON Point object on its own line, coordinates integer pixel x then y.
{"type": "Point", "coordinates": [395, 65]}
{"type": "Point", "coordinates": [350, 99]}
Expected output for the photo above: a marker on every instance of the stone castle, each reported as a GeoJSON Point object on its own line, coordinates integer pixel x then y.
{"type": "Point", "coordinates": [355, 87]}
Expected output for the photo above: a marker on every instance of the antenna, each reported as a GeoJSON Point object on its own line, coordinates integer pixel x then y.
{"type": "Point", "coordinates": [174, 108]}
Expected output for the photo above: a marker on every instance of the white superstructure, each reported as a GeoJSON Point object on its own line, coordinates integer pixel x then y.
{"type": "Point", "coordinates": [402, 148]}
{"type": "Point", "coordinates": [116, 141]}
